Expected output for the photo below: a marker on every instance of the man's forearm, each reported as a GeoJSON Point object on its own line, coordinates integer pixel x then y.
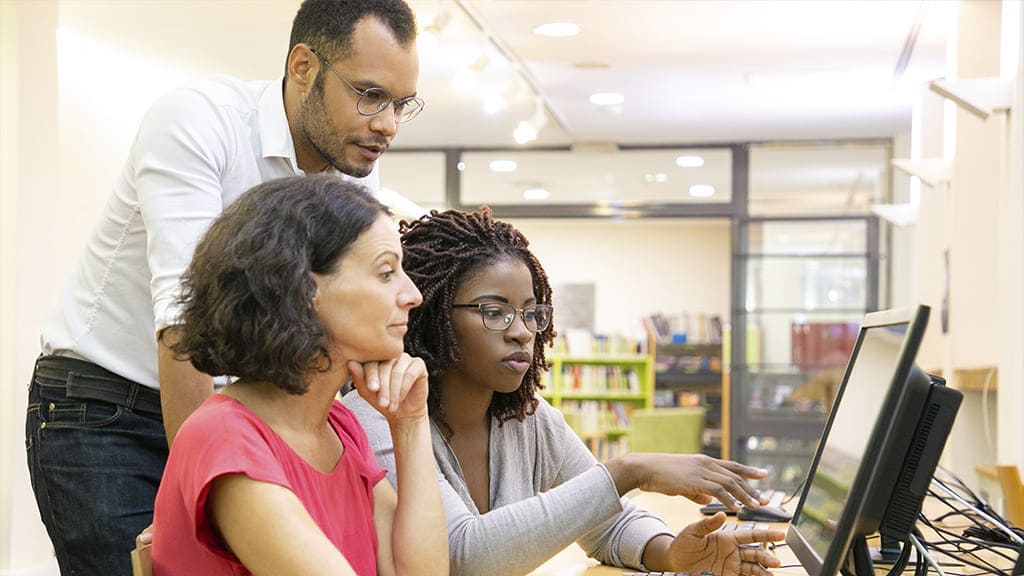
{"type": "Point", "coordinates": [182, 387]}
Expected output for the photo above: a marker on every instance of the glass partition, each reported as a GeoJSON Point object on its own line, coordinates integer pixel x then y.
{"type": "Point", "coordinates": [417, 176]}
{"type": "Point", "coordinates": [596, 176]}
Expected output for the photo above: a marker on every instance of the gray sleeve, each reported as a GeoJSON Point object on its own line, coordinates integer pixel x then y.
{"type": "Point", "coordinates": [581, 504]}
{"type": "Point", "coordinates": [519, 537]}
{"type": "Point", "coordinates": [619, 540]}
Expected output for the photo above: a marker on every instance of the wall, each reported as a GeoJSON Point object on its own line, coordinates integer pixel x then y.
{"type": "Point", "coordinates": [638, 266]}
{"type": "Point", "coordinates": [32, 271]}
{"type": "Point", "coordinates": [978, 219]}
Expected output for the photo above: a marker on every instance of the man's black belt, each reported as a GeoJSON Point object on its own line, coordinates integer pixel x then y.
{"type": "Point", "coordinates": [87, 381]}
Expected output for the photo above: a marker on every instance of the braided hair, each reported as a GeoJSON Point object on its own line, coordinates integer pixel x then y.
{"type": "Point", "coordinates": [443, 250]}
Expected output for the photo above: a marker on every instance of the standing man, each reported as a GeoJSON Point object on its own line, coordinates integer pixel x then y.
{"type": "Point", "coordinates": [107, 395]}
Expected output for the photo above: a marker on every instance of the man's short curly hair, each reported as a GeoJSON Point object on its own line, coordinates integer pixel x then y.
{"type": "Point", "coordinates": [248, 294]}
{"type": "Point", "coordinates": [441, 251]}
{"type": "Point", "coordinates": [328, 25]}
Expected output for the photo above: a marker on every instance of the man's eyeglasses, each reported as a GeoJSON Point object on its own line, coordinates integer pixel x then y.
{"type": "Point", "coordinates": [373, 101]}
{"type": "Point", "coordinates": [498, 316]}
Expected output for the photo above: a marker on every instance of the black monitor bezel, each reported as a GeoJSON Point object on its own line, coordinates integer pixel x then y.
{"type": "Point", "coordinates": [916, 320]}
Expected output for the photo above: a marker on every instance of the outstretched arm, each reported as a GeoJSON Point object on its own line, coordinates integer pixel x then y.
{"type": "Point", "coordinates": [695, 476]}
{"type": "Point", "coordinates": [700, 548]}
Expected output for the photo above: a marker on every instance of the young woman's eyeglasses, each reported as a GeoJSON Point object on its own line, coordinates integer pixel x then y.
{"type": "Point", "coordinates": [498, 316]}
{"type": "Point", "coordinates": [373, 101]}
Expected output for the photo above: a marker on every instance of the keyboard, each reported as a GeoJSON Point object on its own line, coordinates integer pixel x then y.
{"type": "Point", "coordinates": [739, 526]}
{"type": "Point", "coordinates": [775, 498]}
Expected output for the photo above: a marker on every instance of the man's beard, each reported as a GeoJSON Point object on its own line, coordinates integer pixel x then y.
{"type": "Point", "coordinates": [320, 134]}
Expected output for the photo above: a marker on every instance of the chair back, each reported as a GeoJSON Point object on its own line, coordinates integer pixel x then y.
{"type": "Point", "coordinates": [671, 430]}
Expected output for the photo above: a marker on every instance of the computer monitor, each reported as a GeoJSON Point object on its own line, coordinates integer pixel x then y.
{"type": "Point", "coordinates": [881, 443]}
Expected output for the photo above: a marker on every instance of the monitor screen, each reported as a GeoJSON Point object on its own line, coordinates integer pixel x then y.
{"type": "Point", "coordinates": [869, 374]}
{"type": "Point", "coordinates": [866, 445]}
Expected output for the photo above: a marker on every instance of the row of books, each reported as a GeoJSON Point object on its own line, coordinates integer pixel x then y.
{"type": "Point", "coordinates": [576, 342]}
{"type": "Point", "coordinates": [586, 379]}
{"type": "Point", "coordinates": [689, 363]}
{"type": "Point", "coordinates": [684, 327]}
{"type": "Point", "coordinates": [604, 449]}
{"type": "Point", "coordinates": [595, 417]}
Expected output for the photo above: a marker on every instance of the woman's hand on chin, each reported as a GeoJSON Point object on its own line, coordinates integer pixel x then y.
{"type": "Point", "coordinates": [397, 388]}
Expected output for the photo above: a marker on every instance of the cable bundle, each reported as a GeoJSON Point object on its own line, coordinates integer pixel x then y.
{"type": "Point", "coordinates": [981, 539]}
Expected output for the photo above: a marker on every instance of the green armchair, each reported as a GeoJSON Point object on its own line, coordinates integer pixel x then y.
{"type": "Point", "coordinates": [672, 430]}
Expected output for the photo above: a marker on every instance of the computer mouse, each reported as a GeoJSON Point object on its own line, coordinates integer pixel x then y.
{"type": "Point", "coordinates": [764, 514]}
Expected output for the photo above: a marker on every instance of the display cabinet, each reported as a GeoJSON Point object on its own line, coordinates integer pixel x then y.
{"type": "Point", "coordinates": [598, 393]}
{"type": "Point", "coordinates": [808, 283]}
{"type": "Point", "coordinates": [690, 374]}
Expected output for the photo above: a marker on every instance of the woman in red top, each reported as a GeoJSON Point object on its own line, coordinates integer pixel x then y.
{"type": "Point", "coordinates": [296, 287]}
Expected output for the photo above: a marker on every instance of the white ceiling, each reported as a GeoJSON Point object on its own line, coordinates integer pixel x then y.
{"type": "Point", "coordinates": [691, 71]}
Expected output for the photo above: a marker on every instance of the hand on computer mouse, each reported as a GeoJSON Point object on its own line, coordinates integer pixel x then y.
{"type": "Point", "coordinates": [696, 476]}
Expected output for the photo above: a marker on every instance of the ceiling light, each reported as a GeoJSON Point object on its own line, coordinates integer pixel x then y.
{"type": "Point", "coordinates": [702, 190]}
{"type": "Point", "coordinates": [607, 98]}
{"type": "Point", "coordinates": [557, 29]}
{"type": "Point", "coordinates": [461, 166]}
{"type": "Point", "coordinates": [503, 166]}
{"type": "Point", "coordinates": [536, 194]}
{"type": "Point", "coordinates": [524, 133]}
{"type": "Point", "coordinates": [464, 81]}
{"type": "Point", "coordinates": [656, 178]}
{"type": "Point", "coordinates": [527, 130]}
{"type": "Point", "coordinates": [689, 161]}
{"type": "Point", "coordinates": [494, 104]}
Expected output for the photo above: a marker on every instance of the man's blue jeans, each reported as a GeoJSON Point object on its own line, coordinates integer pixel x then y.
{"type": "Point", "coordinates": [95, 468]}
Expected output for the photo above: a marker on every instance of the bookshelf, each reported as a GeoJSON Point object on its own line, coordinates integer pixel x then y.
{"type": "Point", "coordinates": [597, 393]}
{"type": "Point", "coordinates": [690, 374]}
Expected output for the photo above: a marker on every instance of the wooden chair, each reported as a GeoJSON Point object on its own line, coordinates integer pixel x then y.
{"type": "Point", "coordinates": [1008, 477]}
{"type": "Point", "coordinates": [142, 563]}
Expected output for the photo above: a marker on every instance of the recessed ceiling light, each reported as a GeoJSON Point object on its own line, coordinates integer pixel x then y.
{"type": "Point", "coordinates": [536, 194]}
{"type": "Point", "coordinates": [503, 166]}
{"type": "Point", "coordinates": [557, 29]}
{"type": "Point", "coordinates": [689, 161]}
{"type": "Point", "coordinates": [494, 104]}
{"type": "Point", "coordinates": [525, 132]}
{"type": "Point", "coordinates": [460, 166]}
{"type": "Point", "coordinates": [607, 98]}
{"type": "Point", "coordinates": [702, 190]}
{"type": "Point", "coordinates": [655, 177]}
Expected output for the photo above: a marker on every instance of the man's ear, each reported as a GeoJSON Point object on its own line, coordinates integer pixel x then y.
{"type": "Point", "coordinates": [302, 67]}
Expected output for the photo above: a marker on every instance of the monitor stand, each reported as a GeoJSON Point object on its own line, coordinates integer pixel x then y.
{"type": "Point", "coordinates": [858, 559]}
{"type": "Point", "coordinates": [889, 551]}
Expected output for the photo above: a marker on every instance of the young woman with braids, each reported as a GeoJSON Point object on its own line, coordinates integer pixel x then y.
{"type": "Point", "coordinates": [517, 484]}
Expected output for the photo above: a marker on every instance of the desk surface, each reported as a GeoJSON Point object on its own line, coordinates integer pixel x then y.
{"type": "Point", "coordinates": [677, 512]}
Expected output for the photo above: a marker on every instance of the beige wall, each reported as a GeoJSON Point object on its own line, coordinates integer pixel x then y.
{"type": "Point", "coordinates": [33, 267]}
{"type": "Point", "coordinates": [978, 217]}
{"type": "Point", "coordinates": [638, 267]}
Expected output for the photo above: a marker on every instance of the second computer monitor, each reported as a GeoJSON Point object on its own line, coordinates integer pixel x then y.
{"type": "Point", "coordinates": [886, 429]}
